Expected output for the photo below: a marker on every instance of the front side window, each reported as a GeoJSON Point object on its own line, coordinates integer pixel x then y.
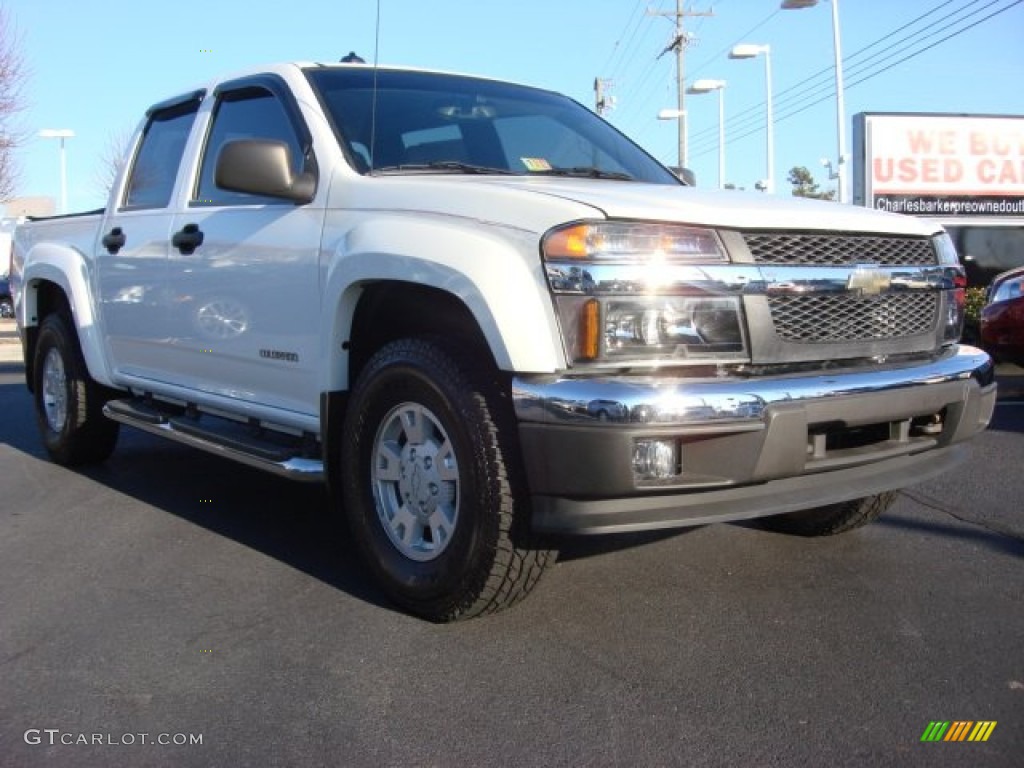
{"type": "Point", "coordinates": [155, 167]}
{"type": "Point", "coordinates": [249, 113]}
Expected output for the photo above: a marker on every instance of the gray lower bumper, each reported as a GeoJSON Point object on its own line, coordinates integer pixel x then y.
{"type": "Point", "coordinates": [749, 447]}
{"type": "Point", "coordinates": [642, 513]}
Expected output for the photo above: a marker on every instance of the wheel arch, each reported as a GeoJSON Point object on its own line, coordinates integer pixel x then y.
{"type": "Point", "coordinates": [493, 272]}
{"type": "Point", "coordinates": [373, 322]}
{"type": "Point", "coordinates": [55, 280]}
{"type": "Point", "coordinates": [421, 311]}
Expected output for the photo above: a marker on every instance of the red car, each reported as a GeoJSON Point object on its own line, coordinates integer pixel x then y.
{"type": "Point", "coordinates": [1002, 318]}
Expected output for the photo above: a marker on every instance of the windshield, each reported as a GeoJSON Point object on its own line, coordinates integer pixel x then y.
{"type": "Point", "coordinates": [428, 122]}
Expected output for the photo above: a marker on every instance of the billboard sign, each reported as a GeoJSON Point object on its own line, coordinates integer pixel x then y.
{"type": "Point", "coordinates": [940, 165]}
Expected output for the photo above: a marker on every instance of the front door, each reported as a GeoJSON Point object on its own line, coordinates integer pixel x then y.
{"type": "Point", "coordinates": [243, 270]}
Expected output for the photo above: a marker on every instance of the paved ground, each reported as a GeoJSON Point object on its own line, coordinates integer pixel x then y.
{"type": "Point", "coordinates": [168, 592]}
{"type": "Point", "coordinates": [10, 348]}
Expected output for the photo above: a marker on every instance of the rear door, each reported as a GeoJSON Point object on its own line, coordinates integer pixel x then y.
{"type": "Point", "coordinates": [131, 259]}
{"type": "Point", "coordinates": [245, 269]}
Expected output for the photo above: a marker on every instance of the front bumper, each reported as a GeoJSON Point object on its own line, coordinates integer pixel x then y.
{"type": "Point", "coordinates": [749, 446]}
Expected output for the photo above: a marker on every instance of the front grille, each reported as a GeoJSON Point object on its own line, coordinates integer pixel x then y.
{"type": "Point", "coordinates": [838, 250]}
{"type": "Point", "coordinates": [831, 318]}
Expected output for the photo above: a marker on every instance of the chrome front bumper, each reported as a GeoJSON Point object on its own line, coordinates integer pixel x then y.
{"type": "Point", "coordinates": [749, 447]}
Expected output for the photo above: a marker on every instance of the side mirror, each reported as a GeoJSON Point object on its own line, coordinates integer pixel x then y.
{"type": "Point", "coordinates": [262, 167]}
{"type": "Point", "coordinates": [686, 175]}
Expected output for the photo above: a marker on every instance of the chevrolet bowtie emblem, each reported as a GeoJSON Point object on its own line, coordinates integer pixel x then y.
{"type": "Point", "coordinates": [869, 280]}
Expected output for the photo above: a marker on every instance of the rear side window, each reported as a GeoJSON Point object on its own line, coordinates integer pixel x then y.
{"type": "Point", "coordinates": [155, 167]}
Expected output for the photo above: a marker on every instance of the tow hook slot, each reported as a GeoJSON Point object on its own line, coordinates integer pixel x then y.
{"type": "Point", "coordinates": [928, 426]}
{"type": "Point", "coordinates": [825, 440]}
{"type": "Point", "coordinates": [830, 440]}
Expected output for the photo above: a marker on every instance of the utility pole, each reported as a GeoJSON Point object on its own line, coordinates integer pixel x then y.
{"type": "Point", "coordinates": [602, 102]}
{"type": "Point", "coordinates": [679, 44]}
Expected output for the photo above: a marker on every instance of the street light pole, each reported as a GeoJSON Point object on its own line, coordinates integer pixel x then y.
{"type": "Point", "coordinates": [680, 118]}
{"type": "Point", "coordinates": [721, 136]}
{"type": "Point", "coordinates": [62, 134]}
{"type": "Point", "coordinates": [840, 172]}
{"type": "Point", "coordinates": [840, 107]}
{"type": "Point", "coordinates": [706, 86]}
{"type": "Point", "coordinates": [747, 51]}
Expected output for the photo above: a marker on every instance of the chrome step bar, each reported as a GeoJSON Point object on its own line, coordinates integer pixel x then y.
{"type": "Point", "coordinates": [250, 450]}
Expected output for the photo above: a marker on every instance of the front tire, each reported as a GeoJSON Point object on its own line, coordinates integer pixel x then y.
{"type": "Point", "coordinates": [431, 484]}
{"type": "Point", "coordinates": [68, 402]}
{"type": "Point", "coordinates": [832, 518]}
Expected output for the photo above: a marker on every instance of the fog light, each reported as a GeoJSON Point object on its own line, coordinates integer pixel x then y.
{"type": "Point", "coordinates": [656, 459]}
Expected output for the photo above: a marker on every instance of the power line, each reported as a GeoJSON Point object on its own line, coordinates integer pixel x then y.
{"type": "Point", "coordinates": [815, 94]}
{"type": "Point", "coordinates": [826, 89]}
{"type": "Point", "coordinates": [937, 42]}
{"type": "Point", "coordinates": [616, 50]}
{"type": "Point", "coordinates": [620, 62]}
{"type": "Point", "coordinates": [877, 72]}
{"type": "Point", "coordinates": [701, 67]}
{"type": "Point", "coordinates": [653, 74]}
{"type": "Point", "coordinates": [785, 97]}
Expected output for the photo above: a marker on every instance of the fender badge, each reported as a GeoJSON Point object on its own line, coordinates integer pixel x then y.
{"type": "Point", "coordinates": [277, 354]}
{"type": "Point", "coordinates": [868, 280]}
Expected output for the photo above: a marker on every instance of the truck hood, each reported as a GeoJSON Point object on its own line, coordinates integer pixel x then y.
{"type": "Point", "coordinates": [537, 203]}
{"type": "Point", "coordinates": [714, 208]}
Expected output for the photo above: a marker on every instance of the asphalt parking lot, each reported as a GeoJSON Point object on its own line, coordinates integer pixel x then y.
{"type": "Point", "coordinates": [175, 595]}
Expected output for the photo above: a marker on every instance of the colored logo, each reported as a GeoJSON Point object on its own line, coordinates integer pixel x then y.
{"type": "Point", "coordinates": [958, 730]}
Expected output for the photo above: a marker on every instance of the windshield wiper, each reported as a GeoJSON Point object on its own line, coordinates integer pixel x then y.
{"type": "Point", "coordinates": [443, 165]}
{"type": "Point", "coordinates": [584, 172]}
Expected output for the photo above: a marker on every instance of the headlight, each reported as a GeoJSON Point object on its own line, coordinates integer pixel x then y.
{"type": "Point", "coordinates": [674, 326]}
{"type": "Point", "coordinates": [628, 242]}
{"type": "Point", "coordinates": [636, 291]}
{"type": "Point", "coordinates": [619, 328]}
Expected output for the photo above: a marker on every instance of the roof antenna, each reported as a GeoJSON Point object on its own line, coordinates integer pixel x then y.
{"type": "Point", "coordinates": [352, 58]}
{"type": "Point", "coordinates": [373, 108]}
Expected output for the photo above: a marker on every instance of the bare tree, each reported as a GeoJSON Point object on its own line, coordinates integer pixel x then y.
{"type": "Point", "coordinates": [114, 156]}
{"type": "Point", "coordinates": [12, 80]}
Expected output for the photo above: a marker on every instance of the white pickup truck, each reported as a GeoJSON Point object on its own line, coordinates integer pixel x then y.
{"type": "Point", "coordinates": [486, 318]}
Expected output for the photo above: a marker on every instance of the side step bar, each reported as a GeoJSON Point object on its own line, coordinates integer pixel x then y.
{"type": "Point", "coordinates": [229, 441]}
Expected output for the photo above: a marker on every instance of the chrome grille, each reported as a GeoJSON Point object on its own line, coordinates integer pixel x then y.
{"type": "Point", "coordinates": [842, 317]}
{"type": "Point", "coordinates": [838, 250]}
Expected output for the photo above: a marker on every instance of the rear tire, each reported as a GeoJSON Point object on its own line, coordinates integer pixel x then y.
{"type": "Point", "coordinates": [431, 484]}
{"type": "Point", "coordinates": [68, 402]}
{"type": "Point", "coordinates": [832, 518]}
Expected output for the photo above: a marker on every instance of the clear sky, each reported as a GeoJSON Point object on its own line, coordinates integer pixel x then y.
{"type": "Point", "coordinates": [95, 67]}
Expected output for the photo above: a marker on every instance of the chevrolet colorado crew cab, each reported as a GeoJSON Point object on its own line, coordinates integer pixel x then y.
{"type": "Point", "coordinates": [485, 317]}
